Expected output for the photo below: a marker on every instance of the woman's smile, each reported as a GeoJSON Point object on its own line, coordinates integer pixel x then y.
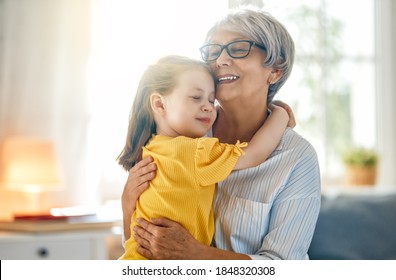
{"type": "Point", "coordinates": [227, 78]}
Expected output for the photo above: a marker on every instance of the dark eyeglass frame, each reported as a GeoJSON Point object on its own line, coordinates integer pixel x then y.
{"type": "Point", "coordinates": [222, 47]}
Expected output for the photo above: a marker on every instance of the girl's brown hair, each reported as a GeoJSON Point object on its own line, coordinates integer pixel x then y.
{"type": "Point", "coordinates": [161, 78]}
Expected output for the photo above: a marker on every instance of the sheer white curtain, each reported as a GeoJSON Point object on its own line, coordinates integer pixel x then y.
{"type": "Point", "coordinates": [44, 49]}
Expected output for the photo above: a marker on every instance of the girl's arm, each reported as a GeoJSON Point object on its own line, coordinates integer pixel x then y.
{"type": "Point", "coordinates": [266, 139]}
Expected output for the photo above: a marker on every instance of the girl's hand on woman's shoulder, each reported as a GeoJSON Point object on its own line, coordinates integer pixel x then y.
{"type": "Point", "coordinates": [292, 120]}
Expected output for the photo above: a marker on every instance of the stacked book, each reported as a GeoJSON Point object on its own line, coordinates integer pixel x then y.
{"type": "Point", "coordinates": [47, 222]}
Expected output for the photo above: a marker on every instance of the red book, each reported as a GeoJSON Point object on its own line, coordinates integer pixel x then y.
{"type": "Point", "coordinates": [38, 217]}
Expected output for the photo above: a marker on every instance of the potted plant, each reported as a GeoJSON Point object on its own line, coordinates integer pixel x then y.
{"type": "Point", "coordinates": [361, 166]}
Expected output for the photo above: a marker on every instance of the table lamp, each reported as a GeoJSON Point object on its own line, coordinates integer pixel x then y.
{"type": "Point", "coordinates": [29, 166]}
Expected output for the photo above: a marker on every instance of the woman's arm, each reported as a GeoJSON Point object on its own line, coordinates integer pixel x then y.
{"type": "Point", "coordinates": [162, 239]}
{"type": "Point", "coordinates": [138, 180]}
{"type": "Point", "coordinates": [265, 140]}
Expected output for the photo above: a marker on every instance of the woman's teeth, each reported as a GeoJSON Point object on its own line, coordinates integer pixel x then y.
{"type": "Point", "coordinates": [228, 78]}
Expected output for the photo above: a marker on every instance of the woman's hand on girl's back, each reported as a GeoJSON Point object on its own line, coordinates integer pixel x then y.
{"type": "Point", "coordinates": [138, 181]}
{"type": "Point", "coordinates": [163, 239]}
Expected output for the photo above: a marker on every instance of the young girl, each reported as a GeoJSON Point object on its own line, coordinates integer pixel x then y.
{"type": "Point", "coordinates": [174, 108]}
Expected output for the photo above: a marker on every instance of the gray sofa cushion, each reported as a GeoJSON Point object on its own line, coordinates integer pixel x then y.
{"type": "Point", "coordinates": [358, 227]}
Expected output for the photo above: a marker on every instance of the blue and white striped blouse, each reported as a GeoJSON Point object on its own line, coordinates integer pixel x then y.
{"type": "Point", "coordinates": [270, 211]}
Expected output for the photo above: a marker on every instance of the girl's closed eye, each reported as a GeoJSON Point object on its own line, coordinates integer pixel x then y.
{"type": "Point", "coordinates": [196, 97]}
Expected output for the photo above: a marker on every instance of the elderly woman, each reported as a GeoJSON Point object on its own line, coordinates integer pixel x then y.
{"type": "Point", "coordinates": [266, 212]}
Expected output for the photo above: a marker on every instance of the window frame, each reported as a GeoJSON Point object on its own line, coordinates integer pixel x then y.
{"type": "Point", "coordinates": [385, 29]}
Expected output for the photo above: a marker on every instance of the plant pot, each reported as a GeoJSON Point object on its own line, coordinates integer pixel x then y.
{"type": "Point", "coordinates": [361, 175]}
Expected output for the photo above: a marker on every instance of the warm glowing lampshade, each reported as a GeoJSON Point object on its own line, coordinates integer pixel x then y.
{"type": "Point", "coordinates": [28, 165]}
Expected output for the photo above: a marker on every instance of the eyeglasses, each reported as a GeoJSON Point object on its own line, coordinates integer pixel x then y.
{"type": "Point", "coordinates": [236, 49]}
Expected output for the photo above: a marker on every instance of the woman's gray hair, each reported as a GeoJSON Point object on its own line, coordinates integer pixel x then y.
{"type": "Point", "coordinates": [264, 29]}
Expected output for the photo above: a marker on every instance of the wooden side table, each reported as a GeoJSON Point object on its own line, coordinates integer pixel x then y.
{"type": "Point", "coordinates": [56, 240]}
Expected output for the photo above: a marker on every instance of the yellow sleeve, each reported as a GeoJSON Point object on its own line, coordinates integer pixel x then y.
{"type": "Point", "coordinates": [214, 161]}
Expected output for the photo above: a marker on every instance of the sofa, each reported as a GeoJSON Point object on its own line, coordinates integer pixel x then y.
{"type": "Point", "coordinates": [355, 226]}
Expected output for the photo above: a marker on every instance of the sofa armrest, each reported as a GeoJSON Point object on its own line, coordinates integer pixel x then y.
{"type": "Point", "coordinates": [359, 227]}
